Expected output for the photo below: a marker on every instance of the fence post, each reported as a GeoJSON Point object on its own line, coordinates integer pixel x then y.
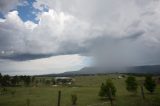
{"type": "Point", "coordinates": [110, 96]}
{"type": "Point", "coordinates": [59, 98]}
{"type": "Point", "coordinates": [142, 92]}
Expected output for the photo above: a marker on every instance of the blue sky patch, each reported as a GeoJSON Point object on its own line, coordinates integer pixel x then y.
{"type": "Point", "coordinates": [28, 12]}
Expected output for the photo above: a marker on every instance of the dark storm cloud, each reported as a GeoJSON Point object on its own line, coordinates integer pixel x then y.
{"type": "Point", "coordinates": [25, 57]}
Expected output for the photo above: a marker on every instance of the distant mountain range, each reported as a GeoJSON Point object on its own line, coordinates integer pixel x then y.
{"type": "Point", "coordinates": [150, 69]}
{"type": "Point", "coordinates": [153, 69]}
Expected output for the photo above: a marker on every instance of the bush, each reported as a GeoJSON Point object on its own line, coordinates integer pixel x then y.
{"type": "Point", "coordinates": [150, 84]}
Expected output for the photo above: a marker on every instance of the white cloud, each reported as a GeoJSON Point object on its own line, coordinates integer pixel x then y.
{"type": "Point", "coordinates": [7, 5]}
{"type": "Point", "coordinates": [2, 20]}
{"type": "Point", "coordinates": [45, 37]}
{"type": "Point", "coordinates": [55, 64]}
{"type": "Point", "coordinates": [30, 25]}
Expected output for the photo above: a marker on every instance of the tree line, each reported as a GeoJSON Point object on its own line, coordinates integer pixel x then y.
{"type": "Point", "coordinates": [24, 80]}
{"type": "Point", "coordinates": [7, 81]}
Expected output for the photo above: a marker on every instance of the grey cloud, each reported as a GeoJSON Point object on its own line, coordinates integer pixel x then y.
{"type": "Point", "coordinates": [134, 35]}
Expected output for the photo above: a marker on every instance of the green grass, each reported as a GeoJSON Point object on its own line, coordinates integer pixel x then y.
{"type": "Point", "coordinates": [86, 88]}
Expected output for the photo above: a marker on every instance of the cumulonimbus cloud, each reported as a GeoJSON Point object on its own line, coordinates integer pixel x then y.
{"type": "Point", "coordinates": [118, 30]}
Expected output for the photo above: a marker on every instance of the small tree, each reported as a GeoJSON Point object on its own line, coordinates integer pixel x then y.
{"type": "Point", "coordinates": [108, 89]}
{"type": "Point", "coordinates": [150, 84]}
{"type": "Point", "coordinates": [131, 84]}
{"type": "Point", "coordinates": [74, 99]}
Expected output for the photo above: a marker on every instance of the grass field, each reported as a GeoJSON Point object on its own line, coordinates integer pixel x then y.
{"type": "Point", "coordinates": [86, 88]}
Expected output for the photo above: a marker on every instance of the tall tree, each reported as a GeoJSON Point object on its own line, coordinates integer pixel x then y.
{"type": "Point", "coordinates": [150, 84]}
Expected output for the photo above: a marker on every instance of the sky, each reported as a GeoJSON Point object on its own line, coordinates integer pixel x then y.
{"type": "Point", "coordinates": [54, 36]}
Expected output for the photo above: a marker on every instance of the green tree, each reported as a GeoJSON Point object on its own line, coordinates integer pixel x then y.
{"type": "Point", "coordinates": [108, 89]}
{"type": "Point", "coordinates": [150, 84]}
{"type": "Point", "coordinates": [131, 84]}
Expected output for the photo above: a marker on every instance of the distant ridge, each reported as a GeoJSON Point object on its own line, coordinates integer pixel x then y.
{"type": "Point", "coordinates": [147, 69]}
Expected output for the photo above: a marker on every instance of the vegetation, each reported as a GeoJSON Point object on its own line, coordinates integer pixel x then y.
{"type": "Point", "coordinates": [150, 84]}
{"type": "Point", "coordinates": [131, 84]}
{"type": "Point", "coordinates": [85, 87]}
{"type": "Point", "coordinates": [8, 81]}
